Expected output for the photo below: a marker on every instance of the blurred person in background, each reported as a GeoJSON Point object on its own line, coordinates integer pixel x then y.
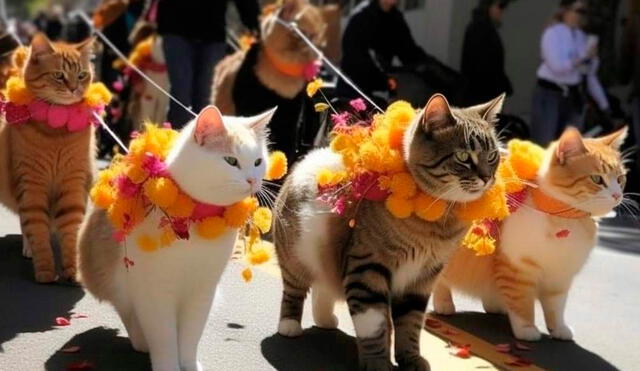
{"type": "Point", "coordinates": [375, 34]}
{"type": "Point", "coordinates": [567, 73]}
{"type": "Point", "coordinates": [194, 34]}
{"type": "Point", "coordinates": [483, 54]}
{"type": "Point", "coordinates": [630, 68]}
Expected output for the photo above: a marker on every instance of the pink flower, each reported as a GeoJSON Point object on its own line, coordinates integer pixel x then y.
{"type": "Point", "coordinates": [118, 85]}
{"type": "Point", "coordinates": [166, 125]}
{"type": "Point", "coordinates": [126, 188]}
{"type": "Point", "coordinates": [39, 110]}
{"type": "Point", "coordinates": [78, 118]}
{"type": "Point", "coordinates": [58, 116]}
{"type": "Point", "coordinates": [16, 113]}
{"type": "Point", "coordinates": [202, 211]}
{"type": "Point", "coordinates": [153, 165]}
{"type": "Point", "coordinates": [340, 119]}
{"type": "Point", "coordinates": [311, 70]}
{"type": "Point", "coordinates": [180, 228]}
{"type": "Point", "coordinates": [366, 186]}
{"type": "Point", "coordinates": [340, 205]}
{"type": "Point", "coordinates": [119, 236]}
{"type": "Point", "coordinates": [358, 104]}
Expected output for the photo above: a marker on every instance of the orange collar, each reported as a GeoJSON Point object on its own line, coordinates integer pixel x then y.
{"type": "Point", "coordinates": [286, 68]}
{"type": "Point", "coordinates": [555, 207]}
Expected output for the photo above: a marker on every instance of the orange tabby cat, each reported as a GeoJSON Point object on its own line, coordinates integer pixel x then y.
{"type": "Point", "coordinates": [540, 252]}
{"type": "Point", "coordinates": [45, 173]}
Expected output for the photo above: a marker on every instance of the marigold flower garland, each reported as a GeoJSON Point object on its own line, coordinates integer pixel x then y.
{"type": "Point", "coordinates": [21, 105]}
{"type": "Point", "coordinates": [137, 183]}
{"type": "Point", "coordinates": [374, 169]}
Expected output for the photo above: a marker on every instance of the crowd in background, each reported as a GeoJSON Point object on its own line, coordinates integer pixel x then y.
{"type": "Point", "coordinates": [375, 39]}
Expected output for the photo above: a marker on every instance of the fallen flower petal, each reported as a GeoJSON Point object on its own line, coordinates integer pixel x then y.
{"type": "Point", "coordinates": [564, 233]}
{"type": "Point", "coordinates": [519, 362]}
{"type": "Point", "coordinates": [432, 323]}
{"type": "Point", "coordinates": [61, 321]}
{"type": "Point", "coordinates": [521, 346]}
{"type": "Point", "coordinates": [71, 349]}
{"type": "Point", "coordinates": [80, 365]}
{"type": "Point", "coordinates": [450, 332]}
{"type": "Point", "coordinates": [503, 348]}
{"type": "Point", "coordinates": [462, 352]}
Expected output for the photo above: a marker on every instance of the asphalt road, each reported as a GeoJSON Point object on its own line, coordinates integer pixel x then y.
{"type": "Point", "coordinates": [603, 309]}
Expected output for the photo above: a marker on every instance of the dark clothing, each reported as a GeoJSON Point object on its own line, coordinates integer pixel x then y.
{"type": "Point", "coordinates": [552, 112]}
{"type": "Point", "coordinates": [190, 67]}
{"type": "Point", "coordinates": [630, 55]}
{"type": "Point", "coordinates": [483, 61]}
{"type": "Point", "coordinates": [203, 19]}
{"type": "Point", "coordinates": [387, 35]}
{"type": "Point", "coordinates": [294, 124]}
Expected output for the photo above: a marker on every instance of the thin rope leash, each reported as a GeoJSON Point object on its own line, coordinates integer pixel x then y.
{"type": "Point", "coordinates": [294, 26]}
{"type": "Point", "coordinates": [106, 40]}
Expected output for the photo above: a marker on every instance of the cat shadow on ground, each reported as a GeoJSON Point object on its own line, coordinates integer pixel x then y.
{"type": "Point", "coordinates": [26, 305]}
{"type": "Point", "coordinates": [548, 353]}
{"type": "Point", "coordinates": [316, 350]}
{"type": "Point", "coordinates": [101, 349]}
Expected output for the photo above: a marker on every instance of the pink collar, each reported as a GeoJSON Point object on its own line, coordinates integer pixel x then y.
{"type": "Point", "coordinates": [75, 117]}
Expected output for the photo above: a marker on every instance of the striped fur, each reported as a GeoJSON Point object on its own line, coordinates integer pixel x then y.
{"type": "Point", "coordinates": [384, 267]}
{"type": "Point", "coordinates": [542, 265]}
{"type": "Point", "coordinates": [46, 173]}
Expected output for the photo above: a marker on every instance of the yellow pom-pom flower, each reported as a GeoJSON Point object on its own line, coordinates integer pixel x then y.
{"type": "Point", "coordinates": [429, 208]}
{"type": "Point", "coordinates": [479, 240]}
{"type": "Point", "coordinates": [247, 275]}
{"type": "Point", "coordinates": [525, 158]}
{"type": "Point", "coordinates": [237, 214]}
{"type": "Point", "coordinates": [277, 167]}
{"type": "Point", "coordinates": [147, 243]}
{"type": "Point", "coordinates": [17, 91]}
{"type": "Point", "coordinates": [102, 196]}
{"type": "Point", "coordinates": [182, 207]}
{"type": "Point", "coordinates": [399, 207]}
{"type": "Point", "coordinates": [258, 256]}
{"type": "Point", "coordinates": [314, 86]}
{"type": "Point", "coordinates": [97, 95]}
{"type": "Point", "coordinates": [161, 191]}
{"type": "Point", "coordinates": [262, 219]}
{"type": "Point", "coordinates": [403, 185]}
{"type": "Point", "coordinates": [211, 228]}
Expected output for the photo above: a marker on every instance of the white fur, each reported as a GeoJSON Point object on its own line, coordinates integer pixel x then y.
{"type": "Point", "coordinates": [165, 298]}
{"type": "Point", "coordinates": [406, 274]}
{"type": "Point", "coordinates": [289, 327]}
{"type": "Point", "coordinates": [368, 324]}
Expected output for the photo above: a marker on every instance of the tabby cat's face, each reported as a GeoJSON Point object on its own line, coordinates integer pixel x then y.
{"type": "Point", "coordinates": [453, 153]}
{"type": "Point", "coordinates": [287, 43]}
{"type": "Point", "coordinates": [588, 174]}
{"type": "Point", "coordinates": [58, 73]}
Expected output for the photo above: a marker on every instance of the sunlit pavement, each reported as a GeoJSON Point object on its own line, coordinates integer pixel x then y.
{"type": "Point", "coordinates": [603, 310]}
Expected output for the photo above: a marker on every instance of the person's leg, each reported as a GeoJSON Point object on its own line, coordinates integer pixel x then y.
{"type": "Point", "coordinates": [544, 115]}
{"type": "Point", "coordinates": [208, 56]}
{"type": "Point", "coordinates": [572, 114]}
{"type": "Point", "coordinates": [179, 54]}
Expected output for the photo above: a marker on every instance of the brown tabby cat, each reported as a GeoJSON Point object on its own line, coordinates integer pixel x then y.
{"type": "Point", "coordinates": [45, 173]}
{"type": "Point", "coordinates": [384, 267]}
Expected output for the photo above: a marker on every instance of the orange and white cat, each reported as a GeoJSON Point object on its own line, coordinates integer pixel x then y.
{"type": "Point", "coordinates": [539, 254]}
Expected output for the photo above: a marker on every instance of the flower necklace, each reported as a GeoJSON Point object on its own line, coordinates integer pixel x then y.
{"type": "Point", "coordinates": [137, 183]}
{"type": "Point", "coordinates": [19, 105]}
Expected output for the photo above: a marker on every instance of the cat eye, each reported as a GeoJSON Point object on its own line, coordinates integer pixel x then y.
{"type": "Point", "coordinates": [83, 75]}
{"type": "Point", "coordinates": [492, 157]}
{"type": "Point", "coordinates": [58, 75]}
{"type": "Point", "coordinates": [597, 179]}
{"type": "Point", "coordinates": [232, 161]}
{"type": "Point", "coordinates": [622, 179]}
{"type": "Point", "coordinates": [462, 156]}
{"type": "Point", "coordinates": [258, 162]}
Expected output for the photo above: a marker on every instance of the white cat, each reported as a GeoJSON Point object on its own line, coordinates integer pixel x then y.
{"type": "Point", "coordinates": [165, 298]}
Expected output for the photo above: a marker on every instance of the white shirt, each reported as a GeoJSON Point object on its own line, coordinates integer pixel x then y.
{"type": "Point", "coordinates": [561, 46]}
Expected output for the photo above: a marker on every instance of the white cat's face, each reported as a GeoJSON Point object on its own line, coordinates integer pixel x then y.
{"type": "Point", "coordinates": [221, 160]}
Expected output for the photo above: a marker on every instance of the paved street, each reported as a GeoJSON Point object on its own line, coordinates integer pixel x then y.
{"type": "Point", "coordinates": [603, 310]}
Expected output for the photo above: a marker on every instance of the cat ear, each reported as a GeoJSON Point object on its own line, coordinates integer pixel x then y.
{"type": "Point", "coordinates": [40, 44]}
{"type": "Point", "coordinates": [86, 46]}
{"type": "Point", "coordinates": [208, 125]}
{"type": "Point", "coordinates": [569, 144]}
{"type": "Point", "coordinates": [489, 111]}
{"type": "Point", "coordinates": [289, 10]}
{"type": "Point", "coordinates": [259, 123]}
{"type": "Point", "coordinates": [437, 114]}
{"type": "Point", "coordinates": [616, 139]}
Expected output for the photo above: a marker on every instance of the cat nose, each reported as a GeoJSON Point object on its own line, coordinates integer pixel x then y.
{"type": "Point", "coordinates": [616, 196]}
{"type": "Point", "coordinates": [485, 179]}
{"type": "Point", "coordinates": [251, 181]}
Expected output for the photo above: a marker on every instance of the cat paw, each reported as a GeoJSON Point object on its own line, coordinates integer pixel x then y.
{"type": "Point", "coordinates": [327, 322]}
{"type": "Point", "coordinates": [376, 364]}
{"type": "Point", "coordinates": [444, 307]}
{"type": "Point", "coordinates": [26, 251]}
{"type": "Point", "coordinates": [493, 308]}
{"type": "Point", "coordinates": [289, 328]}
{"type": "Point", "coordinates": [46, 277]}
{"type": "Point", "coordinates": [562, 332]}
{"type": "Point", "coordinates": [70, 274]}
{"type": "Point", "coordinates": [527, 333]}
{"type": "Point", "coordinates": [416, 363]}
